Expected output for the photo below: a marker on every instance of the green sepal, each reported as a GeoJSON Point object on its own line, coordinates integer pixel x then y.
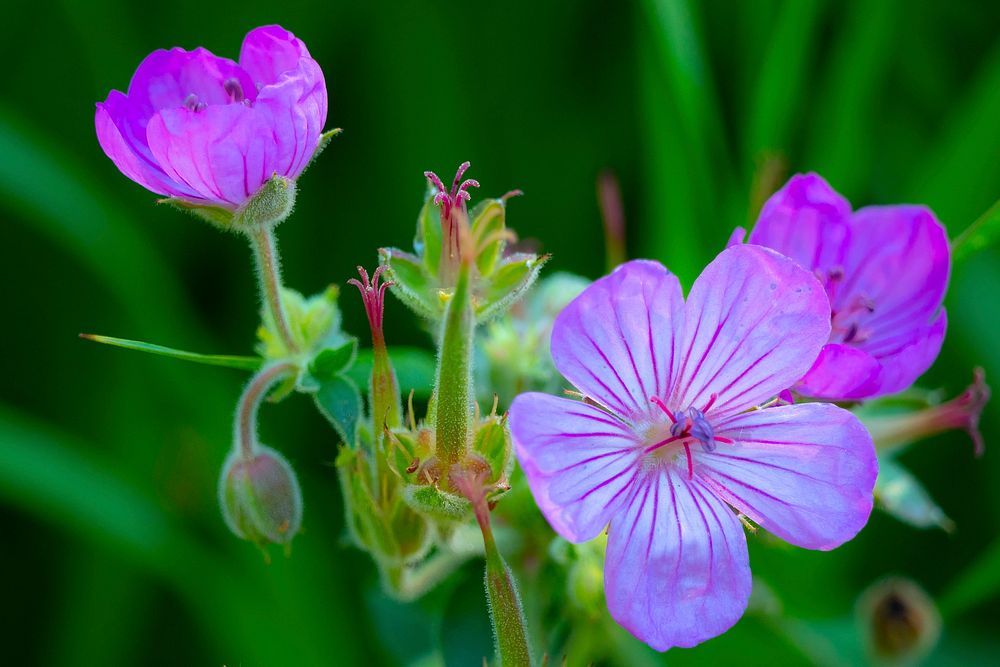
{"type": "Point", "coordinates": [511, 279]}
{"type": "Point", "coordinates": [434, 503]}
{"type": "Point", "coordinates": [900, 494]}
{"type": "Point", "coordinates": [324, 141]}
{"type": "Point", "coordinates": [492, 442]}
{"type": "Point", "coordinates": [313, 321]}
{"type": "Point", "coordinates": [489, 233]}
{"type": "Point", "coordinates": [428, 240]}
{"type": "Point", "coordinates": [215, 215]}
{"type": "Point", "coordinates": [411, 282]}
{"type": "Point", "coordinates": [227, 361]}
{"type": "Point", "coordinates": [339, 400]}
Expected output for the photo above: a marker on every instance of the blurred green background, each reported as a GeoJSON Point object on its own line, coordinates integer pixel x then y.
{"type": "Point", "coordinates": [114, 551]}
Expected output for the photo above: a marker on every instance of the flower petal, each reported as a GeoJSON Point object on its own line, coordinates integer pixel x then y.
{"type": "Point", "coordinates": [755, 322]}
{"type": "Point", "coordinates": [579, 460]}
{"type": "Point", "coordinates": [131, 159]}
{"type": "Point", "coordinates": [295, 108]}
{"type": "Point", "coordinates": [223, 152]}
{"type": "Point", "coordinates": [805, 220]}
{"type": "Point", "coordinates": [899, 261]}
{"type": "Point", "coordinates": [803, 472]}
{"type": "Point", "coordinates": [842, 372]}
{"type": "Point", "coordinates": [912, 353]}
{"type": "Point", "coordinates": [616, 342]}
{"type": "Point", "coordinates": [269, 51]}
{"type": "Point", "coordinates": [677, 571]}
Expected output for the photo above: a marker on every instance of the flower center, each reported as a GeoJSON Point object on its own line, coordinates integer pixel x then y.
{"type": "Point", "coordinates": [847, 320]}
{"type": "Point", "coordinates": [686, 427]}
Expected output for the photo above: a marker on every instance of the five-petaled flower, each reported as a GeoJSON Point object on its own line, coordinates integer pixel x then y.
{"type": "Point", "coordinates": [211, 132]}
{"type": "Point", "coordinates": [669, 436]}
{"type": "Point", "coordinates": [885, 270]}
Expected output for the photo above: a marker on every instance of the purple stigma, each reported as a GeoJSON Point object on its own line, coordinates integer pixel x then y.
{"type": "Point", "coordinates": [373, 295]}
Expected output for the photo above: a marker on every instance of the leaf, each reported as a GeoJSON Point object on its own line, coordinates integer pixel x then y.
{"type": "Point", "coordinates": [332, 360]}
{"type": "Point", "coordinates": [984, 232]}
{"type": "Point", "coordinates": [339, 401]}
{"type": "Point", "coordinates": [900, 494]}
{"type": "Point", "coordinates": [511, 279]}
{"type": "Point", "coordinates": [411, 282]}
{"type": "Point", "coordinates": [414, 368]}
{"type": "Point", "coordinates": [228, 361]}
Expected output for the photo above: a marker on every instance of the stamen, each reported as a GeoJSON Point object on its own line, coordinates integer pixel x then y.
{"type": "Point", "coordinates": [687, 452]}
{"type": "Point", "coordinates": [233, 89]}
{"type": "Point", "coordinates": [663, 406]}
{"type": "Point", "coordinates": [711, 402]}
{"type": "Point", "coordinates": [663, 443]}
{"type": "Point", "coordinates": [191, 102]}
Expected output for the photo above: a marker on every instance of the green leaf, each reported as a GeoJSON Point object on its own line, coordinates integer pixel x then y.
{"type": "Point", "coordinates": [414, 370]}
{"type": "Point", "coordinates": [411, 282]}
{"type": "Point", "coordinates": [428, 240]}
{"type": "Point", "coordinates": [978, 584]}
{"type": "Point", "coordinates": [984, 232]}
{"type": "Point", "coordinates": [332, 360]}
{"type": "Point", "coordinates": [340, 402]}
{"type": "Point", "coordinates": [900, 494]}
{"type": "Point", "coordinates": [511, 279]}
{"type": "Point", "coordinates": [228, 361]}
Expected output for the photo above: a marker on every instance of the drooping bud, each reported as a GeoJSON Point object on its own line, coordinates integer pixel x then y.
{"type": "Point", "coordinates": [260, 497]}
{"type": "Point", "coordinates": [899, 621]}
{"type": "Point", "coordinates": [961, 412]}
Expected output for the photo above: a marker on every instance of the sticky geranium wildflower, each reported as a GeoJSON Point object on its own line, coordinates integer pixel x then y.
{"type": "Point", "coordinates": [885, 270]}
{"type": "Point", "coordinates": [208, 131]}
{"type": "Point", "coordinates": [668, 438]}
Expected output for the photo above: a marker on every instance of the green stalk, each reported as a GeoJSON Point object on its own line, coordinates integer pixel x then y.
{"type": "Point", "coordinates": [386, 409]}
{"type": "Point", "coordinates": [453, 380]}
{"type": "Point", "coordinates": [510, 629]}
{"type": "Point", "coordinates": [269, 273]}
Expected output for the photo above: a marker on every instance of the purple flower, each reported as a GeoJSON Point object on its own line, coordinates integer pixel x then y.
{"type": "Point", "coordinates": [669, 436]}
{"type": "Point", "coordinates": [885, 270]}
{"type": "Point", "coordinates": [210, 131]}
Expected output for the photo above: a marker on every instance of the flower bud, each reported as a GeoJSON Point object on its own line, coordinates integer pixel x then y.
{"type": "Point", "coordinates": [899, 621]}
{"type": "Point", "coordinates": [260, 498]}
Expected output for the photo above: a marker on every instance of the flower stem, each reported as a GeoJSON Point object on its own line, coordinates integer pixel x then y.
{"type": "Point", "coordinates": [510, 629]}
{"type": "Point", "coordinates": [265, 249]}
{"type": "Point", "coordinates": [245, 428]}
{"type": "Point", "coordinates": [453, 380]}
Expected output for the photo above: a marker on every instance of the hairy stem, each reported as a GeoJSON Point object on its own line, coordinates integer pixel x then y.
{"type": "Point", "coordinates": [453, 381]}
{"type": "Point", "coordinates": [245, 427]}
{"type": "Point", "coordinates": [269, 272]}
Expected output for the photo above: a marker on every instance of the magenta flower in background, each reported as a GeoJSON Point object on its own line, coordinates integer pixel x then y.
{"type": "Point", "coordinates": [210, 131]}
{"type": "Point", "coordinates": [669, 437]}
{"type": "Point", "coordinates": [885, 270]}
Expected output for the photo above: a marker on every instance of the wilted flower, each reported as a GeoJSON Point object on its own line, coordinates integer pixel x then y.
{"type": "Point", "coordinates": [210, 132]}
{"type": "Point", "coordinates": [668, 436]}
{"type": "Point", "coordinates": [885, 270]}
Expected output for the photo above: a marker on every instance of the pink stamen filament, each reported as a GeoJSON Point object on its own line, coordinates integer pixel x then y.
{"type": "Point", "coordinates": [687, 452]}
{"type": "Point", "coordinates": [663, 406]}
{"type": "Point", "coordinates": [711, 402]}
{"type": "Point", "coordinates": [665, 442]}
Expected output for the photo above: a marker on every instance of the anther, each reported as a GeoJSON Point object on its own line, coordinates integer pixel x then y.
{"type": "Point", "coordinates": [233, 89]}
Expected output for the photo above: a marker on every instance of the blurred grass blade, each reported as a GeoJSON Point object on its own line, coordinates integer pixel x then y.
{"type": "Point", "coordinates": [960, 173]}
{"type": "Point", "coordinates": [980, 234]}
{"type": "Point", "coordinates": [841, 144]}
{"type": "Point", "coordinates": [228, 361]}
{"type": "Point", "coordinates": [689, 171]}
{"type": "Point", "coordinates": [978, 584]}
{"type": "Point", "coordinates": [779, 91]}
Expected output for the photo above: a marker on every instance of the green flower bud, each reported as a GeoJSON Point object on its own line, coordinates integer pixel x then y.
{"type": "Point", "coordinates": [260, 498]}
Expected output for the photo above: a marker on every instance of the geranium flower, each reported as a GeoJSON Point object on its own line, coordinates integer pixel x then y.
{"type": "Point", "coordinates": [668, 437]}
{"type": "Point", "coordinates": [211, 132]}
{"type": "Point", "coordinates": [885, 270]}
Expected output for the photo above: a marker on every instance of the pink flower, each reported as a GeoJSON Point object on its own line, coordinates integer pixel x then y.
{"type": "Point", "coordinates": [885, 270]}
{"type": "Point", "coordinates": [210, 131]}
{"type": "Point", "coordinates": [668, 437]}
